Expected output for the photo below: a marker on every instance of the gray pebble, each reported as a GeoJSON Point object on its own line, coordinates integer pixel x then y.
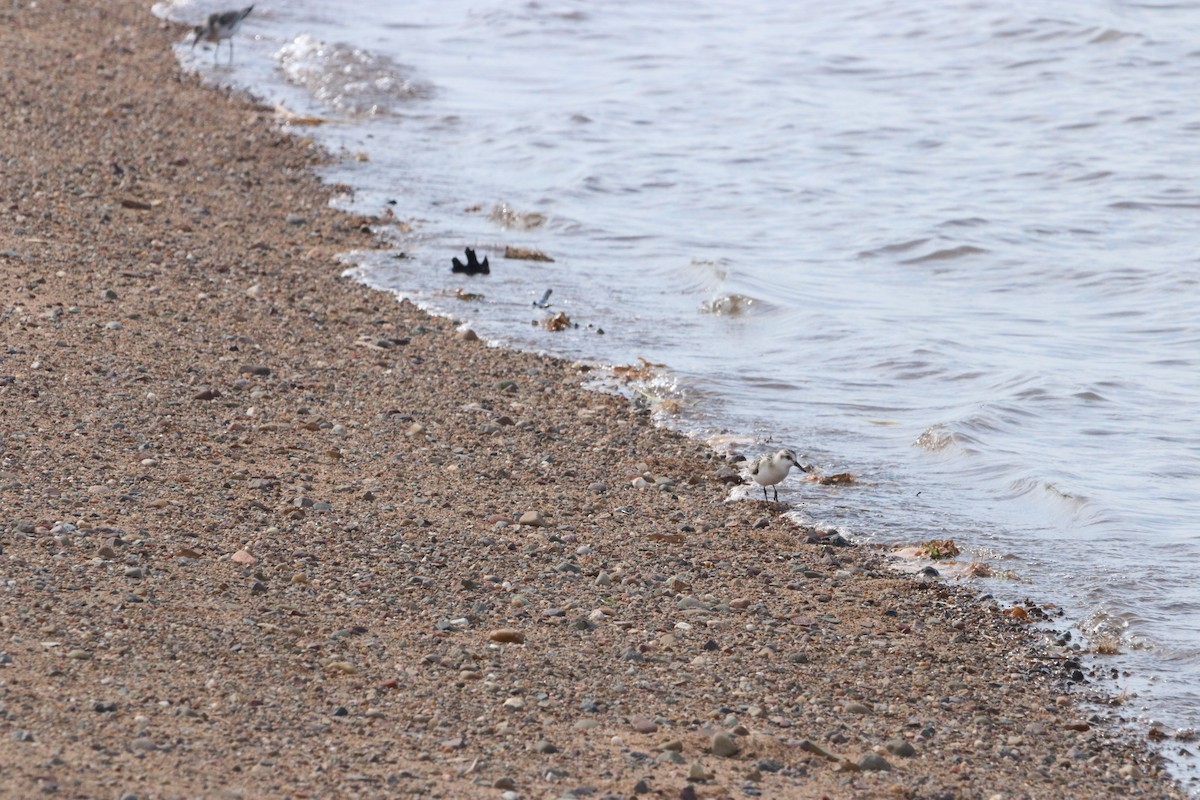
{"type": "Point", "coordinates": [901, 747]}
{"type": "Point", "coordinates": [643, 724]}
{"type": "Point", "coordinates": [724, 746]}
{"type": "Point", "coordinates": [872, 762]}
{"type": "Point", "coordinates": [545, 747]}
{"type": "Point", "coordinates": [20, 735]}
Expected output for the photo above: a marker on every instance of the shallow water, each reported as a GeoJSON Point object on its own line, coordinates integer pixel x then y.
{"type": "Point", "coordinates": [947, 247]}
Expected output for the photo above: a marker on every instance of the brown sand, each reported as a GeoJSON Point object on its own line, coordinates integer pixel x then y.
{"type": "Point", "coordinates": [257, 520]}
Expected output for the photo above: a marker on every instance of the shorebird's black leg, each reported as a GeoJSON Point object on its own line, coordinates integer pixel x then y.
{"type": "Point", "coordinates": [776, 489]}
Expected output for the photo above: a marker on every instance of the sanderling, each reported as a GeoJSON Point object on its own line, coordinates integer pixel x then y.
{"type": "Point", "coordinates": [220, 26]}
{"type": "Point", "coordinates": [772, 469]}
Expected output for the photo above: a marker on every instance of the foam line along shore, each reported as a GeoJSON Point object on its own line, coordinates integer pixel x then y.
{"type": "Point", "coordinates": [266, 530]}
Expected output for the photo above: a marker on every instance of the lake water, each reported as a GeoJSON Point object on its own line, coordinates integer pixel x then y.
{"type": "Point", "coordinates": [951, 247]}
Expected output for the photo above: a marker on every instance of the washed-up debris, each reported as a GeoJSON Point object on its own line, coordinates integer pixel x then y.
{"type": "Point", "coordinates": [636, 372]}
{"type": "Point", "coordinates": [473, 265]}
{"type": "Point", "coordinates": [938, 548]}
{"type": "Point", "coordinates": [558, 322]}
{"type": "Point", "coordinates": [526, 254]}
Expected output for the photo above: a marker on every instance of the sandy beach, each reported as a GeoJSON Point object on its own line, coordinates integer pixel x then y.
{"type": "Point", "coordinates": [267, 533]}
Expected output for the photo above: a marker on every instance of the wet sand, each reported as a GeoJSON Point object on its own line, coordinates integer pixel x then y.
{"type": "Point", "coordinates": [262, 535]}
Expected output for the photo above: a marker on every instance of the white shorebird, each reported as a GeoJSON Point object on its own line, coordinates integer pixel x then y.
{"type": "Point", "coordinates": [770, 470]}
{"type": "Point", "coordinates": [220, 26]}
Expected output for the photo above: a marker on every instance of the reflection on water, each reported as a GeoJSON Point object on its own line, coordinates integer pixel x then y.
{"type": "Point", "coordinates": [947, 247]}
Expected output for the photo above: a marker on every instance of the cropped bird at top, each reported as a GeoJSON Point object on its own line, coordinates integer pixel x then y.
{"type": "Point", "coordinates": [770, 470]}
{"type": "Point", "coordinates": [220, 26]}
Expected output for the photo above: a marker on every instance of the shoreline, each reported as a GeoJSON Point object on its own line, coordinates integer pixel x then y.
{"type": "Point", "coordinates": [262, 523]}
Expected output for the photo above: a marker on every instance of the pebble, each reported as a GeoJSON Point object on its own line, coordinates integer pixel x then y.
{"type": "Point", "coordinates": [901, 747]}
{"type": "Point", "coordinates": [697, 772]}
{"type": "Point", "coordinates": [545, 747]}
{"type": "Point", "coordinates": [643, 724]}
{"type": "Point", "coordinates": [603, 580]}
{"type": "Point", "coordinates": [143, 743]}
{"type": "Point", "coordinates": [504, 783]}
{"type": "Point", "coordinates": [135, 572]}
{"type": "Point", "coordinates": [533, 519]}
{"type": "Point", "coordinates": [242, 557]}
{"type": "Point", "coordinates": [858, 708]}
{"type": "Point", "coordinates": [687, 793]}
{"type": "Point", "coordinates": [672, 745]}
{"type": "Point", "coordinates": [873, 762]}
{"type": "Point", "coordinates": [79, 655]}
{"type": "Point", "coordinates": [724, 746]}
{"type": "Point", "coordinates": [507, 635]}
{"type": "Point", "coordinates": [20, 735]}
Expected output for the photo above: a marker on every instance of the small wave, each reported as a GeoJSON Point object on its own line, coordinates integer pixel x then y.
{"type": "Point", "coordinates": [350, 79]}
{"type": "Point", "coordinates": [1111, 35]}
{"type": "Point", "coordinates": [934, 439]}
{"type": "Point", "coordinates": [888, 249]}
{"type": "Point", "coordinates": [946, 255]}
{"type": "Point", "coordinates": [963, 222]}
{"type": "Point", "coordinates": [509, 217]}
{"type": "Point", "coordinates": [732, 305]}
